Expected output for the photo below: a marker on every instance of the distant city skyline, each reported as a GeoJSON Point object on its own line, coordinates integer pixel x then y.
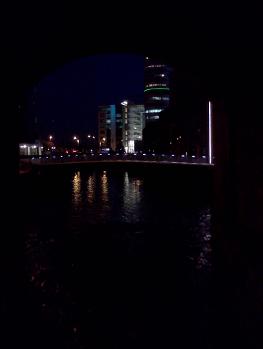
{"type": "Point", "coordinates": [66, 101]}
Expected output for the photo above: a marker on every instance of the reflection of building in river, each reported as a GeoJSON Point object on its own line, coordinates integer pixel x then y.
{"type": "Point", "coordinates": [203, 260]}
{"type": "Point", "coordinates": [91, 183]}
{"type": "Point", "coordinates": [76, 186]}
{"type": "Point", "coordinates": [104, 187]}
{"type": "Point", "coordinates": [131, 197]}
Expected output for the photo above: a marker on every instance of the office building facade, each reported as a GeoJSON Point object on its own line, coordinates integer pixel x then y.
{"type": "Point", "coordinates": [121, 127]}
{"type": "Point", "coordinates": [107, 127]}
{"type": "Point", "coordinates": [156, 88]}
{"type": "Point", "coordinates": [133, 124]}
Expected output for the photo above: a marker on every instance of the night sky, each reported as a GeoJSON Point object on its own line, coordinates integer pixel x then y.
{"type": "Point", "coordinates": [66, 101]}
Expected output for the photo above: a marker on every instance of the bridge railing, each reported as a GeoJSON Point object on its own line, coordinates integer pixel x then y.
{"type": "Point", "coordinates": [68, 158]}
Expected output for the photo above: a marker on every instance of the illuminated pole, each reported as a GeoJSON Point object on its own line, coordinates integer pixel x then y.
{"type": "Point", "coordinates": [210, 146]}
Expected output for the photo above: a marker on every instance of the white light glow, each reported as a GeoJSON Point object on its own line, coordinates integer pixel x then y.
{"type": "Point", "coordinates": [210, 132]}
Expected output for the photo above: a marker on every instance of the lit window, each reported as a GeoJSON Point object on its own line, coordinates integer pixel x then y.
{"type": "Point", "coordinates": [159, 98]}
{"type": "Point", "coordinates": [155, 66]}
{"type": "Point", "coordinates": [130, 147]}
{"type": "Point", "coordinates": [154, 85]}
{"type": "Point", "coordinates": [153, 111]}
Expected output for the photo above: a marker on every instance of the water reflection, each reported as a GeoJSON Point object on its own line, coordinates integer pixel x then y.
{"type": "Point", "coordinates": [59, 264]}
{"type": "Point", "coordinates": [200, 242]}
{"type": "Point", "coordinates": [91, 186]}
{"type": "Point", "coordinates": [204, 257]}
{"type": "Point", "coordinates": [104, 188]}
{"type": "Point", "coordinates": [76, 183]}
{"type": "Point", "coordinates": [132, 198]}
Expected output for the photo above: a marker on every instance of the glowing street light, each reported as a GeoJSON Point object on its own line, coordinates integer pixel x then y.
{"type": "Point", "coordinates": [50, 138]}
{"type": "Point", "coordinates": [74, 138]}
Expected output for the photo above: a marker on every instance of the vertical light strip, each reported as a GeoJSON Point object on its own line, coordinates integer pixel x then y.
{"type": "Point", "coordinates": [210, 132]}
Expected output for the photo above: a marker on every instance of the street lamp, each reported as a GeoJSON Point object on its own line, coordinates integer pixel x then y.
{"type": "Point", "coordinates": [50, 138]}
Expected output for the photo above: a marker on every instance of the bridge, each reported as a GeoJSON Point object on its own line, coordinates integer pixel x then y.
{"type": "Point", "coordinates": [155, 159]}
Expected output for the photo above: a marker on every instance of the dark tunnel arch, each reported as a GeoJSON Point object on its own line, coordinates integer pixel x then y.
{"type": "Point", "coordinates": [229, 64]}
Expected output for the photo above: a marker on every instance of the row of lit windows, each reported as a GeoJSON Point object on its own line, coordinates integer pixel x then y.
{"type": "Point", "coordinates": [153, 111]}
{"type": "Point", "coordinates": [155, 66]}
{"type": "Point", "coordinates": [154, 85]}
{"type": "Point", "coordinates": [164, 98]}
{"type": "Point", "coordinates": [154, 117]}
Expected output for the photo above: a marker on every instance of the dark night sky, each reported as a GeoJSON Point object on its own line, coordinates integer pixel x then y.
{"type": "Point", "coordinates": [65, 102]}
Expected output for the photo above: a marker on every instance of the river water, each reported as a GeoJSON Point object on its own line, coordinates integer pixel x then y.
{"type": "Point", "coordinates": [117, 258]}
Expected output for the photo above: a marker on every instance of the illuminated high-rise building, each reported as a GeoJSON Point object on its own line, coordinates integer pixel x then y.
{"type": "Point", "coordinates": [156, 88]}
{"type": "Point", "coordinates": [121, 126]}
{"type": "Point", "coordinates": [133, 124]}
{"type": "Point", "coordinates": [107, 126]}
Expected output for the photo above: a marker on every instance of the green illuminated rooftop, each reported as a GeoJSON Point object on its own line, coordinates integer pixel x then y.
{"type": "Point", "coordinates": [157, 88]}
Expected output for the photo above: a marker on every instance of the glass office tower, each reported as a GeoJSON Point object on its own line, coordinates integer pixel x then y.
{"type": "Point", "coordinates": [156, 88]}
